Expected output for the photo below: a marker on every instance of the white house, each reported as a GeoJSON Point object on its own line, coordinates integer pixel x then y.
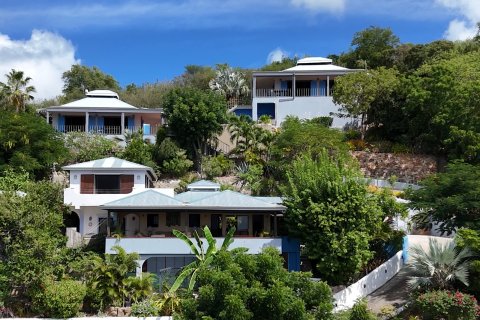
{"type": "Point", "coordinates": [116, 197]}
{"type": "Point", "coordinates": [102, 112]}
{"type": "Point", "coordinates": [304, 91]}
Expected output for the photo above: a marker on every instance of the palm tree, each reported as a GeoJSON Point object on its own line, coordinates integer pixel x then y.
{"type": "Point", "coordinates": [16, 90]}
{"type": "Point", "coordinates": [204, 257]}
{"type": "Point", "coordinates": [230, 83]}
{"type": "Point", "coordinates": [439, 268]}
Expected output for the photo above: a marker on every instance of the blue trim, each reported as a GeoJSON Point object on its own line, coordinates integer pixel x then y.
{"type": "Point", "coordinates": [266, 109]}
{"type": "Point", "coordinates": [313, 88]}
{"type": "Point", "coordinates": [146, 129]}
{"type": "Point", "coordinates": [405, 249]}
{"type": "Point", "coordinates": [61, 123]}
{"type": "Point", "coordinates": [323, 88]}
{"type": "Point", "coordinates": [284, 85]}
{"type": "Point", "coordinates": [292, 248]}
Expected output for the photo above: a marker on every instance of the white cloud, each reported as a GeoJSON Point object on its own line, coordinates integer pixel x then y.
{"type": "Point", "coordinates": [320, 5]}
{"type": "Point", "coordinates": [43, 57]}
{"type": "Point", "coordinates": [470, 12]}
{"type": "Point", "coordinates": [277, 55]}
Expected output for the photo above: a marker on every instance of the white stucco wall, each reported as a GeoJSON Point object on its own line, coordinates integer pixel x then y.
{"type": "Point", "coordinates": [302, 107]}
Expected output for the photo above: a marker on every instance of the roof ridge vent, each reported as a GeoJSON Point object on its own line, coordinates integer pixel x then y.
{"type": "Point", "coordinates": [102, 94]}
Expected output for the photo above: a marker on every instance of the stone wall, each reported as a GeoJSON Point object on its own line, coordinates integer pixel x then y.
{"type": "Point", "coordinates": [406, 167]}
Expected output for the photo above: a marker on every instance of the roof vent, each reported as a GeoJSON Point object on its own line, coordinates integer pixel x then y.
{"type": "Point", "coordinates": [314, 61]}
{"type": "Point", "coordinates": [101, 94]}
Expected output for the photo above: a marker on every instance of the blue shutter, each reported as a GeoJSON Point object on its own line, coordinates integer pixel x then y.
{"type": "Point", "coordinates": [283, 85]}
{"type": "Point", "coordinates": [92, 126]}
{"type": "Point", "coordinates": [61, 123]}
{"type": "Point", "coordinates": [313, 88]}
{"type": "Point", "coordinates": [146, 129]}
{"type": "Point", "coordinates": [323, 87]}
{"type": "Point", "coordinates": [100, 123]}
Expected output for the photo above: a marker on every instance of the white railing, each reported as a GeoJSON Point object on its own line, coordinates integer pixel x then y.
{"type": "Point", "coordinates": [106, 130]}
{"type": "Point", "coordinates": [299, 92]}
{"type": "Point", "coordinates": [273, 92]}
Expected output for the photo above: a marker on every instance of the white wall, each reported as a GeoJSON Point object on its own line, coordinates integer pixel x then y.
{"type": "Point", "coordinates": [346, 298]}
{"type": "Point", "coordinates": [302, 107]}
{"type": "Point", "coordinates": [177, 246]}
{"type": "Point", "coordinates": [139, 179]}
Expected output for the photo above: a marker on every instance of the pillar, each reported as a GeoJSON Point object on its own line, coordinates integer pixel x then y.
{"type": "Point", "coordinates": [138, 269]}
{"type": "Point", "coordinates": [328, 86]}
{"type": "Point", "coordinates": [86, 121]}
{"type": "Point", "coordinates": [48, 117]}
{"type": "Point", "coordinates": [254, 86]}
{"type": "Point", "coordinates": [122, 123]}
{"type": "Point", "coordinates": [275, 224]}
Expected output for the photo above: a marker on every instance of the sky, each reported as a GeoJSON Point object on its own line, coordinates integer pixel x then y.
{"type": "Point", "coordinates": [138, 41]}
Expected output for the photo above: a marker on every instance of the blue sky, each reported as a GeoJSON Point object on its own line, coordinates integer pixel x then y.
{"type": "Point", "coordinates": [145, 41]}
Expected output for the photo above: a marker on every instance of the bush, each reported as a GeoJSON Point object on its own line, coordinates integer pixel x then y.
{"type": "Point", "coordinates": [216, 166]}
{"type": "Point", "coordinates": [177, 166]}
{"type": "Point", "coordinates": [401, 148]}
{"type": "Point", "coordinates": [352, 134]}
{"type": "Point", "coordinates": [446, 305]}
{"type": "Point", "coordinates": [145, 308]}
{"type": "Point", "coordinates": [60, 299]}
{"type": "Point", "coordinates": [323, 121]}
{"type": "Point", "coordinates": [171, 159]}
{"type": "Point", "coordinates": [360, 311]}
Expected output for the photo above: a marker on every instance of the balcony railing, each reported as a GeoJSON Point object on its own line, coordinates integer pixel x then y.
{"type": "Point", "coordinates": [107, 130]}
{"type": "Point", "coordinates": [299, 92]}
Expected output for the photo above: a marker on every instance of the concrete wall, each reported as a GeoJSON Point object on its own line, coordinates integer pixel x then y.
{"type": "Point", "coordinates": [174, 246]}
{"type": "Point", "coordinates": [346, 298]}
{"type": "Point", "coordinates": [302, 107]}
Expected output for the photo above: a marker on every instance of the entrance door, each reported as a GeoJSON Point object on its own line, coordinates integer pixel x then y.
{"type": "Point", "coordinates": [257, 224]}
{"type": "Point", "coordinates": [216, 225]}
{"type": "Point", "coordinates": [132, 224]}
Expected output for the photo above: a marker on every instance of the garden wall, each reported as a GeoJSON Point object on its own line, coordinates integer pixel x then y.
{"type": "Point", "coordinates": [346, 298]}
{"type": "Point", "coordinates": [406, 167]}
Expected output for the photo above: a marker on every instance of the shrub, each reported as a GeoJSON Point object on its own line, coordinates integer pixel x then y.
{"type": "Point", "coordinates": [323, 121]}
{"type": "Point", "coordinates": [360, 311]}
{"type": "Point", "coordinates": [60, 299]}
{"type": "Point", "coordinates": [177, 166]}
{"type": "Point", "coordinates": [352, 134]}
{"type": "Point", "coordinates": [145, 308]}
{"type": "Point", "coordinates": [216, 166]}
{"type": "Point", "coordinates": [401, 148]}
{"type": "Point", "coordinates": [448, 305]}
{"type": "Point", "coordinates": [171, 158]}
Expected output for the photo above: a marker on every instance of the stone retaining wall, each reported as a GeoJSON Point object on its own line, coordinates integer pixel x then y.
{"type": "Point", "coordinates": [406, 167]}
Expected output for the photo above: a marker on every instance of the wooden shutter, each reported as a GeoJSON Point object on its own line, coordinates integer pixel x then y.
{"type": "Point", "coordinates": [126, 183]}
{"type": "Point", "coordinates": [87, 185]}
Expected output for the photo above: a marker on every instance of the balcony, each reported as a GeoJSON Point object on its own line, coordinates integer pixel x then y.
{"type": "Point", "coordinates": [108, 130]}
{"type": "Point", "coordinates": [175, 246]}
{"type": "Point", "coordinates": [299, 92]}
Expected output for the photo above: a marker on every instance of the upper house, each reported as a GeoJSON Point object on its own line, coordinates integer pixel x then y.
{"type": "Point", "coordinates": [304, 91]}
{"type": "Point", "coordinates": [102, 112]}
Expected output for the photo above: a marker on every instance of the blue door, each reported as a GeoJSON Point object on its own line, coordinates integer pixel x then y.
{"type": "Point", "coordinates": [266, 109]}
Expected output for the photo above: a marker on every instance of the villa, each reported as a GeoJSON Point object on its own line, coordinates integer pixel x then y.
{"type": "Point", "coordinates": [102, 112]}
{"type": "Point", "coordinates": [304, 90]}
{"type": "Point", "coordinates": [115, 197]}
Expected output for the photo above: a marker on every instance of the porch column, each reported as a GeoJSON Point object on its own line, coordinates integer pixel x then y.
{"type": "Point", "coordinates": [254, 93]}
{"type": "Point", "coordinates": [224, 225]}
{"type": "Point", "coordinates": [86, 121]}
{"type": "Point", "coordinates": [294, 87]}
{"type": "Point", "coordinates": [328, 86]}
{"type": "Point", "coordinates": [122, 123]}
{"type": "Point", "coordinates": [138, 269]}
{"type": "Point", "coordinates": [48, 117]}
{"type": "Point", "coordinates": [250, 225]}
{"type": "Point", "coordinates": [108, 223]}
{"type": "Point", "coordinates": [275, 224]}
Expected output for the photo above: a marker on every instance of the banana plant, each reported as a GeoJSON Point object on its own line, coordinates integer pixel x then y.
{"type": "Point", "coordinates": [204, 256]}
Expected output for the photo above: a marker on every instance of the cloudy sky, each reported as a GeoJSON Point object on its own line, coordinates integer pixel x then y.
{"type": "Point", "coordinates": [145, 40]}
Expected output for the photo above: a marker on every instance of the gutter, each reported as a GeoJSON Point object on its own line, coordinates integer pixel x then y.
{"type": "Point", "coordinates": [293, 90]}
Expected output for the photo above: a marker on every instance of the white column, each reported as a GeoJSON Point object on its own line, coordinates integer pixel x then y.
{"type": "Point", "coordinates": [86, 121]}
{"type": "Point", "coordinates": [138, 269]}
{"type": "Point", "coordinates": [122, 123]}
{"type": "Point", "coordinates": [328, 86]}
{"type": "Point", "coordinates": [48, 117]}
{"type": "Point", "coordinates": [254, 93]}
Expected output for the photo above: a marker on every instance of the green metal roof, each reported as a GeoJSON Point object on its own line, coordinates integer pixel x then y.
{"type": "Point", "coordinates": [149, 199]}
{"type": "Point", "coordinates": [191, 196]}
{"type": "Point", "coordinates": [234, 201]}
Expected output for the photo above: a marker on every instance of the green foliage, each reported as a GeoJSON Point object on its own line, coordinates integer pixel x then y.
{"type": "Point", "coordinates": [60, 299]}
{"type": "Point", "coordinates": [441, 267]}
{"type": "Point", "coordinates": [28, 143]}
{"type": "Point", "coordinates": [138, 151]}
{"type": "Point", "coordinates": [170, 158]}
{"type": "Point", "coordinates": [467, 238]}
{"type": "Point", "coordinates": [15, 93]}
{"type": "Point", "coordinates": [242, 286]}
{"type": "Point", "coordinates": [177, 166]}
{"type": "Point", "coordinates": [446, 305]}
{"type": "Point", "coordinates": [195, 117]}
{"type": "Point", "coordinates": [145, 308]}
{"type": "Point", "coordinates": [148, 95]}
{"type": "Point", "coordinates": [229, 82]}
{"type": "Point", "coordinates": [195, 76]}
{"type": "Point", "coordinates": [80, 78]}
{"type": "Point", "coordinates": [86, 147]}
{"type": "Point", "coordinates": [216, 166]}
{"type": "Point", "coordinates": [449, 198]}
{"type": "Point", "coordinates": [330, 210]}
{"type": "Point", "coordinates": [250, 177]}
{"type": "Point", "coordinates": [323, 121]}
{"type": "Point", "coordinates": [280, 65]}
{"type": "Point", "coordinates": [360, 311]}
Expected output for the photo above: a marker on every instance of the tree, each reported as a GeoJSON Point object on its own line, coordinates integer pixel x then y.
{"type": "Point", "coordinates": [355, 92]}
{"type": "Point", "coordinates": [285, 63]}
{"type": "Point", "coordinates": [87, 146]}
{"type": "Point", "coordinates": [28, 143]}
{"type": "Point", "coordinates": [16, 92]}
{"type": "Point", "coordinates": [195, 117]}
{"type": "Point", "coordinates": [229, 82]}
{"type": "Point", "coordinates": [449, 198]}
{"type": "Point", "coordinates": [204, 256]}
{"type": "Point", "coordinates": [80, 78]}
{"type": "Point", "coordinates": [330, 210]}
{"type": "Point", "coordinates": [195, 76]}
{"type": "Point", "coordinates": [138, 150]}
{"type": "Point", "coordinates": [439, 267]}
{"type": "Point", "coordinates": [148, 95]}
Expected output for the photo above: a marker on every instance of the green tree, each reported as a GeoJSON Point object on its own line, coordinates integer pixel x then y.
{"type": "Point", "coordinates": [16, 92]}
{"type": "Point", "coordinates": [195, 117]}
{"type": "Point", "coordinates": [439, 267]}
{"type": "Point", "coordinates": [229, 82]}
{"type": "Point", "coordinates": [285, 63]}
{"type": "Point", "coordinates": [449, 198]}
{"type": "Point", "coordinates": [138, 150]}
{"type": "Point", "coordinates": [355, 92]}
{"type": "Point", "coordinates": [84, 147]}
{"type": "Point", "coordinates": [28, 143]}
{"type": "Point", "coordinates": [80, 78]}
{"type": "Point", "coordinates": [195, 76]}
{"type": "Point", "coordinates": [148, 95]}
{"type": "Point", "coordinates": [330, 210]}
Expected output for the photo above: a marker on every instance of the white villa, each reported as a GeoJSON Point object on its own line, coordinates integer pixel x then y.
{"type": "Point", "coordinates": [304, 91]}
{"type": "Point", "coordinates": [112, 197]}
{"type": "Point", "coordinates": [102, 112]}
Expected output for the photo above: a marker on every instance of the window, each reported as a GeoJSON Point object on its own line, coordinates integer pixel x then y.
{"type": "Point", "coordinates": [173, 219]}
{"type": "Point", "coordinates": [194, 220]}
{"type": "Point", "coordinates": [242, 223]}
{"type": "Point", "coordinates": [152, 221]}
{"type": "Point", "coordinates": [108, 184]}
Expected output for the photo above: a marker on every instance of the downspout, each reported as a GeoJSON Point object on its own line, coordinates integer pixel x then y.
{"type": "Point", "coordinates": [293, 90]}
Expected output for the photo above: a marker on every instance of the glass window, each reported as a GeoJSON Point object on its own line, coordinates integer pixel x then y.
{"type": "Point", "coordinates": [173, 219]}
{"type": "Point", "coordinates": [152, 221]}
{"type": "Point", "coordinates": [194, 220]}
{"type": "Point", "coordinates": [109, 184]}
{"type": "Point", "coordinates": [242, 223]}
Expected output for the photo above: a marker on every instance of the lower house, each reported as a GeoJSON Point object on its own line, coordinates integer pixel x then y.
{"type": "Point", "coordinates": [115, 198]}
